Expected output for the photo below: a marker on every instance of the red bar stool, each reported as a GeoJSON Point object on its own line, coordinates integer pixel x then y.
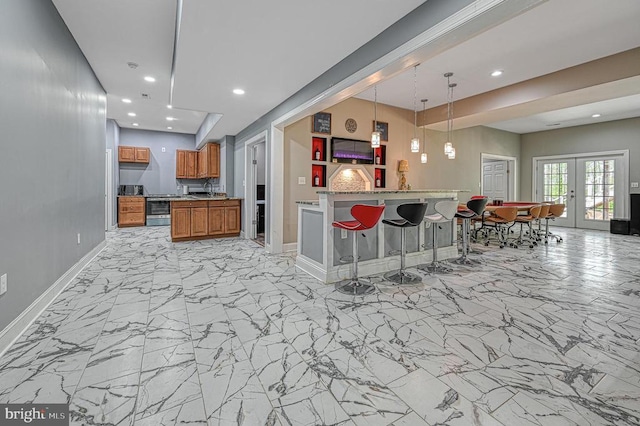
{"type": "Point", "coordinates": [366, 217]}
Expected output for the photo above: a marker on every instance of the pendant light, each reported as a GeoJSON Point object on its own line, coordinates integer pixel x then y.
{"type": "Point", "coordinates": [423, 156]}
{"type": "Point", "coordinates": [375, 135]}
{"type": "Point", "coordinates": [449, 150]}
{"type": "Point", "coordinates": [415, 142]}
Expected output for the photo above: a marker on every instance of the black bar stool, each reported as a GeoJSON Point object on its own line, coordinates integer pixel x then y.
{"type": "Point", "coordinates": [475, 208]}
{"type": "Point", "coordinates": [366, 217]}
{"type": "Point", "coordinates": [412, 215]}
{"type": "Point", "coordinates": [445, 211]}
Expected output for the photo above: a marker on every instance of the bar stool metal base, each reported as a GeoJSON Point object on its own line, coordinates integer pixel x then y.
{"type": "Point", "coordinates": [355, 287]}
{"type": "Point", "coordinates": [465, 260]}
{"type": "Point", "coordinates": [403, 278]}
{"type": "Point", "coordinates": [436, 268]}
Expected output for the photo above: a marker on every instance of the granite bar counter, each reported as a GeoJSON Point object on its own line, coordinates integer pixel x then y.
{"type": "Point", "coordinates": [321, 246]}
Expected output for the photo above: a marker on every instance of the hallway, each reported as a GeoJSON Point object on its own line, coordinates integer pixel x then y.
{"type": "Point", "coordinates": [217, 331]}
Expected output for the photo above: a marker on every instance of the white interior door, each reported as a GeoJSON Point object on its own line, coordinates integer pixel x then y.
{"type": "Point", "coordinates": [495, 180]}
{"type": "Point", "coordinates": [592, 188]}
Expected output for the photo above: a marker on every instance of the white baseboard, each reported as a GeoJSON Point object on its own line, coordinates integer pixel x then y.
{"type": "Point", "coordinates": [18, 326]}
{"type": "Point", "coordinates": [289, 247]}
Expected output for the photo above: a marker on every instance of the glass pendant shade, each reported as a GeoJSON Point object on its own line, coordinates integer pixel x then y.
{"type": "Point", "coordinates": [448, 147]}
{"type": "Point", "coordinates": [423, 158]}
{"type": "Point", "coordinates": [415, 145]}
{"type": "Point", "coordinates": [375, 140]}
{"type": "Point", "coordinates": [452, 154]}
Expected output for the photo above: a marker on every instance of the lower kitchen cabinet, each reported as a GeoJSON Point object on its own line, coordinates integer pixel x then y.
{"type": "Point", "coordinates": [131, 211]}
{"type": "Point", "coordinates": [199, 219]}
{"type": "Point", "coordinates": [195, 220]}
{"type": "Point", "coordinates": [224, 218]}
{"type": "Point", "coordinates": [180, 222]}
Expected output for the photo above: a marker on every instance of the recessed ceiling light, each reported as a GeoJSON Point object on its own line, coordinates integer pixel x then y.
{"type": "Point", "coordinates": [496, 73]}
{"type": "Point", "coordinates": [170, 118]}
{"type": "Point", "coordinates": [149, 79]}
{"type": "Point", "coordinates": [238, 91]}
{"type": "Point", "coordinates": [131, 114]}
{"type": "Point", "coordinates": [169, 106]}
{"type": "Point", "coordinates": [595, 116]}
{"type": "Point", "coordinates": [126, 100]}
{"type": "Point", "coordinates": [135, 124]}
{"type": "Point", "coordinates": [169, 127]}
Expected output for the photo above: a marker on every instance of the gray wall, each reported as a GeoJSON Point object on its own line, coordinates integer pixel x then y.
{"type": "Point", "coordinates": [52, 152]}
{"type": "Point", "coordinates": [612, 135]}
{"type": "Point", "coordinates": [227, 166]}
{"type": "Point", "coordinates": [159, 176]}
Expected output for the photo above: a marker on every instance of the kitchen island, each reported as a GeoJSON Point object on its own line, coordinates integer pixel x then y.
{"type": "Point", "coordinates": [321, 246]}
{"type": "Point", "coordinates": [202, 217]}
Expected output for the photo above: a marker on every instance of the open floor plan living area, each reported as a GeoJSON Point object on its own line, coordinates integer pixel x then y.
{"type": "Point", "coordinates": [296, 213]}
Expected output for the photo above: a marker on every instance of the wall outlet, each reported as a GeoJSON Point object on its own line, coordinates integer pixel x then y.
{"type": "Point", "coordinates": [3, 284]}
{"type": "Point", "coordinates": [164, 149]}
{"type": "Point", "coordinates": [302, 180]}
{"type": "Point", "coordinates": [78, 238]}
{"type": "Point", "coordinates": [634, 184]}
{"type": "Point", "coordinates": [343, 234]}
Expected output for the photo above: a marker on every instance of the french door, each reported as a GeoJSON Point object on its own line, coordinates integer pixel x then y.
{"type": "Point", "coordinates": [593, 188]}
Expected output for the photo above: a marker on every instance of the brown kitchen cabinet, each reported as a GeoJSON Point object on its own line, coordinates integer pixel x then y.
{"type": "Point", "coordinates": [186, 166]}
{"type": "Point", "coordinates": [134, 154]}
{"type": "Point", "coordinates": [224, 218]}
{"type": "Point", "coordinates": [200, 219]}
{"type": "Point", "coordinates": [180, 223]}
{"type": "Point", "coordinates": [209, 161]}
{"type": "Point", "coordinates": [131, 211]}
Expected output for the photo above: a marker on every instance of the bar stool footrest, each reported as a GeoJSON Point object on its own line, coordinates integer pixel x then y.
{"type": "Point", "coordinates": [436, 268]}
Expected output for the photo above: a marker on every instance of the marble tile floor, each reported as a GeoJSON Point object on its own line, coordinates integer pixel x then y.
{"type": "Point", "coordinates": [217, 332]}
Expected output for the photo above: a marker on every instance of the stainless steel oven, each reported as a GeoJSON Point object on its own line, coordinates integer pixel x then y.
{"type": "Point", "coordinates": [159, 210]}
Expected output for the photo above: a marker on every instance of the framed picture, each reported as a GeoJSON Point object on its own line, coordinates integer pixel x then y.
{"type": "Point", "coordinates": [383, 128]}
{"type": "Point", "coordinates": [321, 123]}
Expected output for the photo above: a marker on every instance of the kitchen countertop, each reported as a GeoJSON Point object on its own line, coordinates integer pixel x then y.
{"type": "Point", "coordinates": [195, 198]}
{"type": "Point", "coordinates": [395, 191]}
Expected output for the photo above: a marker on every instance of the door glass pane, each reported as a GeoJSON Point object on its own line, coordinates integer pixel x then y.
{"type": "Point", "coordinates": [599, 190]}
{"type": "Point", "coordinates": [555, 183]}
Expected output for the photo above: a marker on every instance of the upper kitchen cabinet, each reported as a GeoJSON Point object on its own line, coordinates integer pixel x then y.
{"type": "Point", "coordinates": [186, 164]}
{"type": "Point", "coordinates": [134, 154]}
{"type": "Point", "coordinates": [209, 161]}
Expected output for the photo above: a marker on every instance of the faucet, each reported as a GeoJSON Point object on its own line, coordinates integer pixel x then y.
{"type": "Point", "coordinates": [208, 182]}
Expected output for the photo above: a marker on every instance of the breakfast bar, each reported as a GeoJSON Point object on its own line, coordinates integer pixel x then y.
{"type": "Point", "coordinates": [323, 250]}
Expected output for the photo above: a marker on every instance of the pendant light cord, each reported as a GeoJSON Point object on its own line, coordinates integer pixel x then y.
{"type": "Point", "coordinates": [375, 108]}
{"type": "Point", "coordinates": [415, 102]}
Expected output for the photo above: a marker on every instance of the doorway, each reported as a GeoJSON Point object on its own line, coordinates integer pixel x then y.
{"type": "Point", "coordinates": [498, 179]}
{"type": "Point", "coordinates": [593, 187]}
{"type": "Point", "coordinates": [259, 162]}
{"type": "Point", "coordinates": [256, 192]}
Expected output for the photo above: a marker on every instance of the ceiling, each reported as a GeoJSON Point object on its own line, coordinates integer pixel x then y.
{"type": "Point", "coordinates": [272, 52]}
{"type": "Point", "coordinates": [269, 49]}
{"type": "Point", "coordinates": [556, 35]}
